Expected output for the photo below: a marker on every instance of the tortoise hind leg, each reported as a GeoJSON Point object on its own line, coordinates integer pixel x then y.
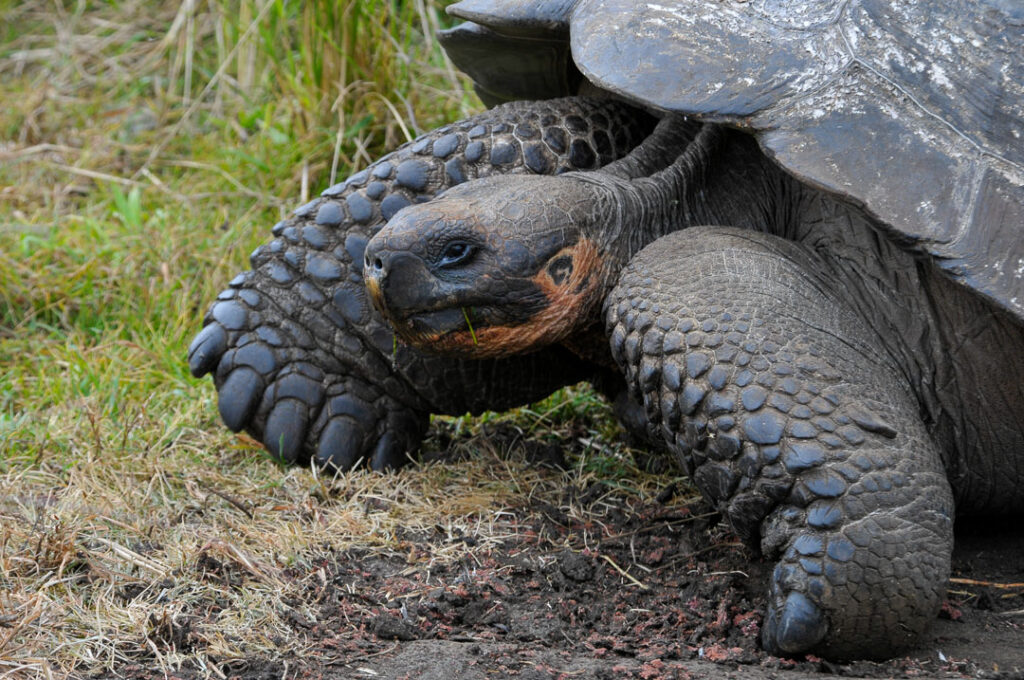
{"type": "Point", "coordinates": [788, 417]}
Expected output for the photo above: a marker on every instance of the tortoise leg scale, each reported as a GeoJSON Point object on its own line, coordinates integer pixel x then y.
{"type": "Point", "coordinates": [795, 424]}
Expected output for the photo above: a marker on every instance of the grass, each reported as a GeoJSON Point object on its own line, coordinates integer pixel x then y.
{"type": "Point", "coordinates": [144, 152]}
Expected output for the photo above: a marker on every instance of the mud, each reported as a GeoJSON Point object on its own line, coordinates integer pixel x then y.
{"type": "Point", "coordinates": [654, 594]}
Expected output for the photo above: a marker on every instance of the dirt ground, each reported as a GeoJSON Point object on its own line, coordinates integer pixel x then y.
{"type": "Point", "coordinates": [602, 585]}
{"type": "Point", "coordinates": [596, 584]}
{"type": "Point", "coordinates": [693, 612]}
{"type": "Point", "coordinates": [687, 607]}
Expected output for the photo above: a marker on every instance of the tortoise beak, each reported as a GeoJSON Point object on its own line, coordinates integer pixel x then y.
{"type": "Point", "coordinates": [396, 281]}
{"type": "Point", "coordinates": [405, 291]}
{"type": "Point", "coordinates": [373, 288]}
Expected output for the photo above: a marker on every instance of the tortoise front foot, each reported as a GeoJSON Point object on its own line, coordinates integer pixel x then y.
{"type": "Point", "coordinates": [274, 380]}
{"type": "Point", "coordinates": [792, 420]}
{"type": "Point", "coordinates": [861, 575]}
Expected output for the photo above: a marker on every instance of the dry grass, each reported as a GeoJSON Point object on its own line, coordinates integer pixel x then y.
{"type": "Point", "coordinates": [143, 153]}
{"type": "Point", "coordinates": [97, 556]}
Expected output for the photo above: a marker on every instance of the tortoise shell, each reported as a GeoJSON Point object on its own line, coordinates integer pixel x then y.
{"type": "Point", "coordinates": [912, 110]}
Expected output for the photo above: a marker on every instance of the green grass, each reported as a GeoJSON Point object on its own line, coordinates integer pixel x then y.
{"type": "Point", "coordinates": [145, 157]}
{"type": "Point", "coordinates": [144, 153]}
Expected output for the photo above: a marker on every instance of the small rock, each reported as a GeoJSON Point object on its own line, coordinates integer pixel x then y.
{"type": "Point", "coordinates": [576, 566]}
{"type": "Point", "coordinates": [388, 627]}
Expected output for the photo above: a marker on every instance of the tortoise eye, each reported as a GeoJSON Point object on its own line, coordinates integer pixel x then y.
{"type": "Point", "coordinates": [454, 253]}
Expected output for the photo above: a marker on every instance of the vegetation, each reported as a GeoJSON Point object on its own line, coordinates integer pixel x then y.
{"type": "Point", "coordinates": [144, 152]}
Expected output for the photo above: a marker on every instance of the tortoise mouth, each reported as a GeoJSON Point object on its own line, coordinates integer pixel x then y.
{"type": "Point", "coordinates": [456, 331]}
{"type": "Point", "coordinates": [434, 324]}
{"type": "Point", "coordinates": [422, 327]}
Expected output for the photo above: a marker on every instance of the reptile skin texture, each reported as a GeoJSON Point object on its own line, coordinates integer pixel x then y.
{"type": "Point", "coordinates": [304, 363]}
{"type": "Point", "coordinates": [778, 401]}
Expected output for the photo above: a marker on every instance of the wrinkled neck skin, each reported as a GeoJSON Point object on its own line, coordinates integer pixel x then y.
{"type": "Point", "coordinates": [685, 174]}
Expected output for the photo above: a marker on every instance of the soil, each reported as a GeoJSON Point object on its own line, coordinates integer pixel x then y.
{"type": "Point", "coordinates": [628, 589]}
{"type": "Point", "coordinates": [688, 608]}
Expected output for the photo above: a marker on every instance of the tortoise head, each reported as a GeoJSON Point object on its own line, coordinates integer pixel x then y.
{"type": "Point", "coordinates": [494, 267]}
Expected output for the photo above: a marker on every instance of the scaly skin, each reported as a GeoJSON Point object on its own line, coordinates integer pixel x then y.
{"type": "Point", "coordinates": [793, 421]}
{"type": "Point", "coordinates": [306, 365]}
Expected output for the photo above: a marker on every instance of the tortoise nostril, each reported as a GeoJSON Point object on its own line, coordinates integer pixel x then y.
{"type": "Point", "coordinates": [378, 264]}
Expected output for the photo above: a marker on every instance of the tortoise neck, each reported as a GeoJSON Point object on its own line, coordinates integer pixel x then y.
{"type": "Point", "coordinates": [671, 198]}
{"type": "Point", "coordinates": [685, 174]}
{"type": "Point", "coordinates": [670, 140]}
{"type": "Point", "coordinates": [655, 190]}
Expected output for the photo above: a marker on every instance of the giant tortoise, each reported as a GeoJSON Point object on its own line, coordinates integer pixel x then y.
{"type": "Point", "coordinates": [835, 355]}
{"type": "Point", "coordinates": [811, 274]}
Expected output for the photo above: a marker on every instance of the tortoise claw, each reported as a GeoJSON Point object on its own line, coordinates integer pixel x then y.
{"type": "Point", "coordinates": [206, 349]}
{"type": "Point", "coordinates": [404, 430]}
{"type": "Point", "coordinates": [798, 626]}
{"type": "Point", "coordinates": [238, 397]}
{"type": "Point", "coordinates": [340, 445]}
{"type": "Point", "coordinates": [285, 432]}
{"type": "Point", "coordinates": [387, 455]}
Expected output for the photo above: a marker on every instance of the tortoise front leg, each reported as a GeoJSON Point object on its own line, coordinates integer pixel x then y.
{"type": "Point", "coordinates": [795, 424]}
